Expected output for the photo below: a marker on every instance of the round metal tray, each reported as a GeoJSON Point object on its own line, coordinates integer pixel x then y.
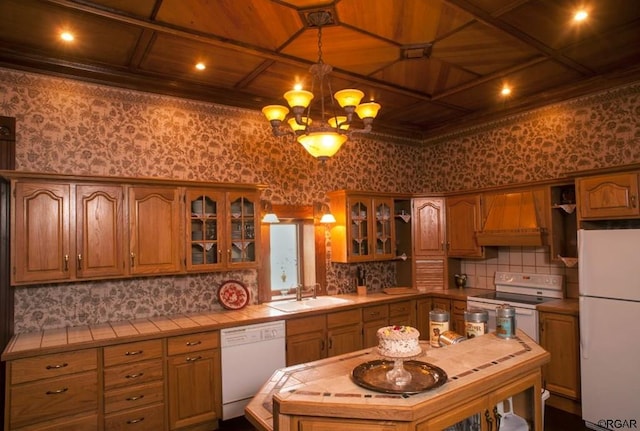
{"type": "Point", "coordinates": [373, 375]}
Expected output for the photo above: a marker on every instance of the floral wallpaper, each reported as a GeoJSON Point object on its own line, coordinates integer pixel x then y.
{"type": "Point", "coordinates": [70, 127]}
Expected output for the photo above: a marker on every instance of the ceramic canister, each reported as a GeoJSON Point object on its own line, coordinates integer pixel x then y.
{"type": "Point", "coordinates": [438, 323]}
{"type": "Point", "coordinates": [505, 321]}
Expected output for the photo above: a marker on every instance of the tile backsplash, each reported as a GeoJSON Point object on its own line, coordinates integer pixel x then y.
{"type": "Point", "coordinates": [534, 260]}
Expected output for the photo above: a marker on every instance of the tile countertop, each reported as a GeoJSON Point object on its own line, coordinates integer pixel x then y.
{"type": "Point", "coordinates": [325, 387]}
{"type": "Point", "coordinates": [88, 336]}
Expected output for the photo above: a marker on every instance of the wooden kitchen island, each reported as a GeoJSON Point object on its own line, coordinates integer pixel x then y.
{"type": "Point", "coordinates": [482, 372]}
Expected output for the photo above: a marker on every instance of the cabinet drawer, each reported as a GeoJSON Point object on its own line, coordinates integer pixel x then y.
{"type": "Point", "coordinates": [342, 318]}
{"type": "Point", "coordinates": [127, 353]}
{"type": "Point", "coordinates": [303, 325]}
{"type": "Point", "coordinates": [80, 423]}
{"type": "Point", "coordinates": [60, 364]}
{"type": "Point", "coordinates": [143, 419]}
{"type": "Point", "coordinates": [133, 397]}
{"type": "Point", "coordinates": [193, 342]}
{"type": "Point", "coordinates": [53, 398]}
{"type": "Point", "coordinates": [375, 312]}
{"type": "Point", "coordinates": [133, 374]}
{"type": "Point", "coordinates": [403, 308]}
{"type": "Point", "coordinates": [458, 307]}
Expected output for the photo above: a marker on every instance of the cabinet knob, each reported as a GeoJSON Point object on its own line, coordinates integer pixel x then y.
{"type": "Point", "coordinates": [633, 201]}
{"type": "Point", "coordinates": [66, 262]}
{"type": "Point", "coordinates": [80, 261]}
{"type": "Point", "coordinates": [57, 391]}
{"type": "Point", "coordinates": [133, 259]}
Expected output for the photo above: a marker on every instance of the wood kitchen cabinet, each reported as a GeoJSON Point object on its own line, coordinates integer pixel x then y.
{"type": "Point", "coordinates": [222, 229]}
{"type": "Point", "coordinates": [430, 261]}
{"type": "Point", "coordinates": [155, 241]}
{"type": "Point", "coordinates": [194, 380]}
{"type": "Point", "coordinates": [306, 339]}
{"type": "Point", "coordinates": [482, 411]}
{"type": "Point", "coordinates": [464, 215]}
{"type": "Point", "coordinates": [133, 379]}
{"type": "Point", "coordinates": [344, 331]}
{"type": "Point", "coordinates": [455, 308]}
{"type": "Point", "coordinates": [423, 307]}
{"type": "Point", "coordinates": [403, 313]}
{"type": "Point", "coordinates": [560, 335]}
{"type": "Point", "coordinates": [67, 231]}
{"type": "Point", "coordinates": [429, 227]}
{"type": "Point", "coordinates": [608, 196]}
{"type": "Point", "coordinates": [54, 391]}
{"type": "Point", "coordinates": [374, 317]}
{"type": "Point", "coordinates": [364, 229]}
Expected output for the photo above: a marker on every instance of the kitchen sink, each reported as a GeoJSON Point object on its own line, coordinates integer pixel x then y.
{"type": "Point", "coordinates": [308, 303]}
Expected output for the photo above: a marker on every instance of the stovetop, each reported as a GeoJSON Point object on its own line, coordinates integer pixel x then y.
{"type": "Point", "coordinates": [512, 298]}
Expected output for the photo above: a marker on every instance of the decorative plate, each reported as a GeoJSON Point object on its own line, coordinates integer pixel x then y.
{"type": "Point", "coordinates": [233, 295]}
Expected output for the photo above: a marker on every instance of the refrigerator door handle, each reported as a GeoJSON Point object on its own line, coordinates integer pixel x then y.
{"type": "Point", "coordinates": [584, 328]}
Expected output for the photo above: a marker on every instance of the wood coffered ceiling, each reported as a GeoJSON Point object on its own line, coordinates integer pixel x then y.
{"type": "Point", "coordinates": [433, 65]}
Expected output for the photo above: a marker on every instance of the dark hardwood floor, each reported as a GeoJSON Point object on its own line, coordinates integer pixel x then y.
{"type": "Point", "coordinates": [554, 420]}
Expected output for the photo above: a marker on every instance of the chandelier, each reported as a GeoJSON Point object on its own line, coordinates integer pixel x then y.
{"type": "Point", "coordinates": [322, 137]}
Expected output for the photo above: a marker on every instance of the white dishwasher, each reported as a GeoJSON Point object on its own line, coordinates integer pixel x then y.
{"type": "Point", "coordinates": [250, 355]}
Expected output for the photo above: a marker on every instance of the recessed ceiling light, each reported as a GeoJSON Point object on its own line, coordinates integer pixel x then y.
{"type": "Point", "coordinates": [581, 15]}
{"type": "Point", "coordinates": [201, 66]}
{"type": "Point", "coordinates": [506, 90]}
{"type": "Point", "coordinates": [66, 36]}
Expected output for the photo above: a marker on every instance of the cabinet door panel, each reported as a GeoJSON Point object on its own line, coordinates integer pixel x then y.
{"type": "Point", "coordinates": [559, 335]}
{"type": "Point", "coordinates": [344, 340]}
{"type": "Point", "coordinates": [155, 230]}
{"type": "Point", "coordinates": [193, 393]}
{"type": "Point", "coordinates": [306, 347]}
{"type": "Point", "coordinates": [41, 246]}
{"type": "Point", "coordinates": [609, 196]}
{"type": "Point", "coordinates": [463, 220]}
{"type": "Point", "coordinates": [99, 226]}
{"type": "Point", "coordinates": [429, 227]}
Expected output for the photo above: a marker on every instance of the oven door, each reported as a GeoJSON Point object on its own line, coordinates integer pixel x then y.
{"type": "Point", "coordinates": [526, 318]}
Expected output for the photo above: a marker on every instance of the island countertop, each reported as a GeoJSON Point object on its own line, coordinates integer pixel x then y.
{"type": "Point", "coordinates": [325, 388]}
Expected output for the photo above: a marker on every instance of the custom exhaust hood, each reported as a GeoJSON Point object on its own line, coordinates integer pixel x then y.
{"type": "Point", "coordinates": [514, 219]}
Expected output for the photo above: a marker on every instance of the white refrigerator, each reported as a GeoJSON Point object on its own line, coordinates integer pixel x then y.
{"type": "Point", "coordinates": [609, 277]}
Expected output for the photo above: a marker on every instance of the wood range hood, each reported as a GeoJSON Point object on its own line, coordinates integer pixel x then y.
{"type": "Point", "coordinates": [514, 219]}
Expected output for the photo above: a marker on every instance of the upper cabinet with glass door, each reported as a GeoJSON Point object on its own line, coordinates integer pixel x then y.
{"type": "Point", "coordinates": [243, 219]}
{"type": "Point", "coordinates": [205, 226]}
{"type": "Point", "coordinates": [222, 229]}
{"type": "Point", "coordinates": [364, 228]}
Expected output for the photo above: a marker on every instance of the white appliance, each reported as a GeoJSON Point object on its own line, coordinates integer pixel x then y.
{"type": "Point", "coordinates": [250, 355]}
{"type": "Point", "coordinates": [523, 292]}
{"type": "Point", "coordinates": [609, 261]}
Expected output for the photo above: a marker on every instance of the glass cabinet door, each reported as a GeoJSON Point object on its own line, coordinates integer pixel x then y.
{"type": "Point", "coordinates": [383, 226]}
{"type": "Point", "coordinates": [243, 224]}
{"type": "Point", "coordinates": [204, 229]}
{"type": "Point", "coordinates": [359, 214]}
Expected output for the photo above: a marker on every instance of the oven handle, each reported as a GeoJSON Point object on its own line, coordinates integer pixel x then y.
{"type": "Point", "coordinates": [492, 307]}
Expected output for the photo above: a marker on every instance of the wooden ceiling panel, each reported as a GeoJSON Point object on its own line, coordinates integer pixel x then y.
{"type": "Point", "coordinates": [551, 21]}
{"type": "Point", "coordinates": [260, 23]}
{"type": "Point", "coordinates": [142, 8]}
{"type": "Point", "coordinates": [344, 49]}
{"type": "Point", "coordinates": [416, 22]}
{"type": "Point", "coordinates": [37, 27]}
{"type": "Point", "coordinates": [430, 76]}
{"type": "Point", "coordinates": [177, 57]}
{"type": "Point", "coordinates": [599, 55]}
{"type": "Point", "coordinates": [481, 49]}
{"type": "Point", "coordinates": [255, 50]}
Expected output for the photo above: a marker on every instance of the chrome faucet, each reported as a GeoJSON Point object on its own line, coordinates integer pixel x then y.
{"type": "Point", "coordinates": [300, 288]}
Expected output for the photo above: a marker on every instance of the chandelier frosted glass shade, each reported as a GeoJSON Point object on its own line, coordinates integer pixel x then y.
{"type": "Point", "coordinates": [323, 144]}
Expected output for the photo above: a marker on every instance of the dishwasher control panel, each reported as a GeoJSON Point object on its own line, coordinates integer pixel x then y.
{"type": "Point", "coordinates": [252, 333]}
